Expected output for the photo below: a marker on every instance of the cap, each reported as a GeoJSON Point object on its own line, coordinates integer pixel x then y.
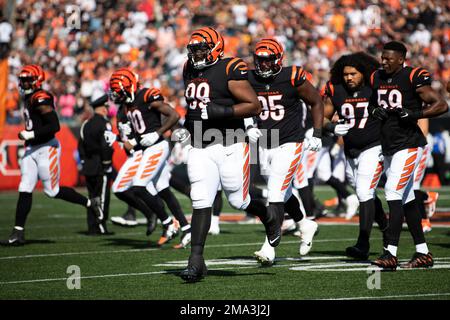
{"type": "Point", "coordinates": [100, 102]}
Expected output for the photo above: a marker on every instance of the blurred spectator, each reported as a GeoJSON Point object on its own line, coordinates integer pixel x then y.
{"type": "Point", "coordinates": [150, 36]}
{"type": "Point", "coordinates": [6, 31]}
{"type": "Point", "coordinates": [438, 152]}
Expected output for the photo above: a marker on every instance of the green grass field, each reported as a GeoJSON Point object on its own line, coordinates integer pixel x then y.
{"type": "Point", "coordinates": [128, 265]}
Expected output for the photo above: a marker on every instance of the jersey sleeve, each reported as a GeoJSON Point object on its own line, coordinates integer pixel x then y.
{"type": "Point", "coordinates": [236, 69]}
{"type": "Point", "coordinates": [327, 90]}
{"type": "Point", "coordinates": [42, 98]}
{"type": "Point", "coordinates": [420, 77]}
{"type": "Point", "coordinates": [152, 95]}
{"type": "Point", "coordinates": [298, 76]}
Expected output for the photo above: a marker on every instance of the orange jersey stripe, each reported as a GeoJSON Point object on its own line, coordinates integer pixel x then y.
{"type": "Point", "coordinates": [230, 64]}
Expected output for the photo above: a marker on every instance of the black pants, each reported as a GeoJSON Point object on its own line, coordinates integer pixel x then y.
{"type": "Point", "coordinates": [98, 186]}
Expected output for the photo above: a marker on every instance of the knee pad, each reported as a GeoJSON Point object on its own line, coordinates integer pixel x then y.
{"type": "Point", "coordinates": [239, 204]}
{"type": "Point", "coordinates": [364, 194]}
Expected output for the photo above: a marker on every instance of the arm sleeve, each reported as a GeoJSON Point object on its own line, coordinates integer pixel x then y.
{"type": "Point", "coordinates": [420, 77]}
{"type": "Point", "coordinates": [236, 69]}
{"type": "Point", "coordinates": [298, 76]}
{"type": "Point", "coordinates": [152, 95]}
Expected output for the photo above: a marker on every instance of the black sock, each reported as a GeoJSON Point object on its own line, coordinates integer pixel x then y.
{"type": "Point", "coordinates": [340, 188]}
{"type": "Point", "coordinates": [307, 200]}
{"type": "Point", "coordinates": [180, 185]}
{"type": "Point", "coordinates": [396, 215]}
{"type": "Point", "coordinates": [366, 217]}
{"type": "Point", "coordinates": [70, 195]}
{"type": "Point", "coordinates": [380, 215]}
{"type": "Point", "coordinates": [421, 197]}
{"type": "Point", "coordinates": [218, 204]}
{"type": "Point", "coordinates": [413, 219]}
{"type": "Point", "coordinates": [174, 206]}
{"type": "Point", "coordinates": [201, 221]}
{"type": "Point", "coordinates": [278, 209]}
{"type": "Point", "coordinates": [129, 198]}
{"type": "Point", "coordinates": [131, 211]}
{"type": "Point", "coordinates": [23, 208]}
{"type": "Point", "coordinates": [153, 202]}
{"type": "Point", "coordinates": [292, 206]}
{"type": "Point", "coordinates": [257, 208]}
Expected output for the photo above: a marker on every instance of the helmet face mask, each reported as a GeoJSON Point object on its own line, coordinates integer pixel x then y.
{"type": "Point", "coordinates": [123, 86]}
{"type": "Point", "coordinates": [268, 58]}
{"type": "Point", "coordinates": [205, 47]}
{"type": "Point", "coordinates": [30, 79]}
{"type": "Point", "coordinates": [266, 66]}
{"type": "Point", "coordinates": [198, 53]}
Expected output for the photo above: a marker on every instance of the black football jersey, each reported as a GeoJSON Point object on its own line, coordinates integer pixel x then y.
{"type": "Point", "coordinates": [211, 84]}
{"type": "Point", "coordinates": [282, 108]}
{"type": "Point", "coordinates": [399, 91]}
{"type": "Point", "coordinates": [143, 118]}
{"type": "Point", "coordinates": [353, 107]}
{"type": "Point", "coordinates": [33, 117]}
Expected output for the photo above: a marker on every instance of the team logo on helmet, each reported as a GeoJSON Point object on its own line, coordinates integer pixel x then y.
{"type": "Point", "coordinates": [31, 78]}
{"type": "Point", "coordinates": [205, 47]}
{"type": "Point", "coordinates": [268, 57]}
{"type": "Point", "coordinates": [124, 84]}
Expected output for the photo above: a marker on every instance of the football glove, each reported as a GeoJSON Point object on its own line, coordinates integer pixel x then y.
{"type": "Point", "coordinates": [149, 138]}
{"type": "Point", "coordinates": [315, 142]}
{"type": "Point", "coordinates": [215, 111]}
{"type": "Point", "coordinates": [380, 113]}
{"type": "Point", "coordinates": [26, 135]}
{"type": "Point", "coordinates": [338, 129]}
{"type": "Point", "coordinates": [110, 137]}
{"type": "Point", "coordinates": [124, 128]}
{"type": "Point", "coordinates": [254, 134]}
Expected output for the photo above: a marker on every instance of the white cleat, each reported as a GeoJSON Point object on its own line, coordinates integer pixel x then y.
{"type": "Point", "coordinates": [288, 226]}
{"type": "Point", "coordinates": [124, 222]}
{"type": "Point", "coordinates": [352, 204]}
{"type": "Point", "coordinates": [308, 229]}
{"type": "Point", "coordinates": [266, 255]}
{"type": "Point", "coordinates": [214, 228]}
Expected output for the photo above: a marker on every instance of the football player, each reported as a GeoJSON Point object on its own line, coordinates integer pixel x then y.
{"type": "Point", "coordinates": [143, 108]}
{"type": "Point", "coordinates": [402, 95]}
{"type": "Point", "coordinates": [280, 135]}
{"type": "Point", "coordinates": [42, 152]}
{"type": "Point", "coordinates": [219, 97]}
{"type": "Point", "coordinates": [348, 93]}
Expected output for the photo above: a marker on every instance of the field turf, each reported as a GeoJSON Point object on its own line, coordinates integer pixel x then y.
{"type": "Point", "coordinates": [129, 265]}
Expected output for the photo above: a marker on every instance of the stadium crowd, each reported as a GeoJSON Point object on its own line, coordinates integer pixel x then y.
{"type": "Point", "coordinates": [150, 36]}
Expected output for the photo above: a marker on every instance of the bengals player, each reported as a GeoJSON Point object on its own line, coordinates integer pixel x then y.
{"type": "Point", "coordinates": [42, 152]}
{"type": "Point", "coordinates": [348, 94]}
{"type": "Point", "coordinates": [143, 108]}
{"type": "Point", "coordinates": [281, 136]}
{"type": "Point", "coordinates": [218, 97]}
{"type": "Point", "coordinates": [402, 95]}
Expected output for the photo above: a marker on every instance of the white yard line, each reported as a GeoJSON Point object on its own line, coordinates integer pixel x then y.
{"type": "Point", "coordinates": [393, 296]}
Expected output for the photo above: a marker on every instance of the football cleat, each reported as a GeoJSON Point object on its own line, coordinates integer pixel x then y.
{"type": "Point", "coordinates": [185, 240]}
{"type": "Point", "coordinates": [308, 229]}
{"type": "Point", "coordinates": [426, 225]}
{"type": "Point", "coordinates": [169, 232]}
{"type": "Point", "coordinates": [288, 226]}
{"type": "Point", "coordinates": [265, 256]}
{"type": "Point", "coordinates": [127, 220]}
{"type": "Point", "coordinates": [386, 261]}
{"type": "Point", "coordinates": [195, 271]}
{"type": "Point", "coordinates": [352, 204]}
{"type": "Point", "coordinates": [214, 228]}
{"type": "Point", "coordinates": [96, 205]}
{"type": "Point", "coordinates": [419, 260]}
{"type": "Point", "coordinates": [357, 253]}
{"type": "Point", "coordinates": [17, 238]}
{"type": "Point", "coordinates": [273, 229]}
{"type": "Point", "coordinates": [333, 202]}
{"type": "Point", "coordinates": [430, 203]}
{"type": "Point", "coordinates": [151, 224]}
